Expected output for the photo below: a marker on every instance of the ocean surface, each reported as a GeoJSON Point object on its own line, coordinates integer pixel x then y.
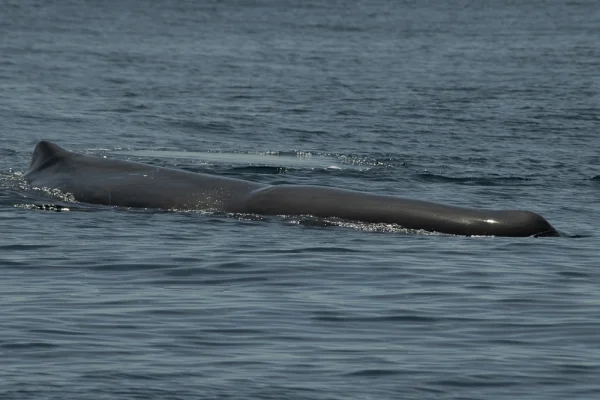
{"type": "Point", "coordinates": [476, 103]}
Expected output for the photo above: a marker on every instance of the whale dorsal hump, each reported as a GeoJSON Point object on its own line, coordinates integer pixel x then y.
{"type": "Point", "coordinates": [46, 152]}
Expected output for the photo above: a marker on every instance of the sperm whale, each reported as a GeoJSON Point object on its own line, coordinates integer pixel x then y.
{"type": "Point", "coordinates": [99, 180]}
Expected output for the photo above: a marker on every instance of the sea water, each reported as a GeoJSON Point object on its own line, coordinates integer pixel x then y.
{"type": "Point", "coordinates": [480, 104]}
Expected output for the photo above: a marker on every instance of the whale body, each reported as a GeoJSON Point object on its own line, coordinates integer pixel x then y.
{"type": "Point", "coordinates": [99, 180]}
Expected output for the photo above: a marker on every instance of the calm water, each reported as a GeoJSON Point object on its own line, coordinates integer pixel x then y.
{"type": "Point", "coordinates": [470, 103]}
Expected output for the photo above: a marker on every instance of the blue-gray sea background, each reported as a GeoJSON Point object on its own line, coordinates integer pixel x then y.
{"type": "Point", "coordinates": [483, 104]}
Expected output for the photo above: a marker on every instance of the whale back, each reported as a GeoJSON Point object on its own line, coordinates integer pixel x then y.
{"type": "Point", "coordinates": [45, 154]}
{"type": "Point", "coordinates": [99, 180]}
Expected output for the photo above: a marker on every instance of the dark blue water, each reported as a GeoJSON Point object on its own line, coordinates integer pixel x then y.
{"type": "Point", "coordinates": [482, 104]}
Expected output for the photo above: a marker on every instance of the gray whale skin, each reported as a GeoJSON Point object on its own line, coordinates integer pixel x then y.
{"type": "Point", "coordinates": [111, 182]}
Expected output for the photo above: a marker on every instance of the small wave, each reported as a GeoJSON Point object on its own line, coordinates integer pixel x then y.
{"type": "Point", "coordinates": [202, 126]}
{"type": "Point", "coordinates": [128, 267]}
{"type": "Point", "coordinates": [44, 207]}
{"type": "Point", "coordinates": [474, 180]}
{"type": "Point", "coordinates": [261, 169]}
{"type": "Point", "coordinates": [32, 346]}
{"type": "Point", "coordinates": [339, 27]}
{"type": "Point", "coordinates": [371, 319]}
{"type": "Point", "coordinates": [123, 109]}
{"type": "Point", "coordinates": [324, 250]}
{"type": "Point", "coordinates": [266, 159]}
{"type": "Point", "coordinates": [574, 274]}
{"type": "Point", "coordinates": [24, 247]}
{"type": "Point", "coordinates": [369, 226]}
{"type": "Point", "coordinates": [7, 152]}
{"type": "Point", "coordinates": [56, 193]}
{"type": "Point", "coordinates": [374, 372]}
